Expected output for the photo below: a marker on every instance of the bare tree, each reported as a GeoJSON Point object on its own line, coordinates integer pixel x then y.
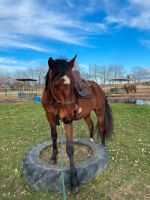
{"type": "Point", "coordinates": [139, 73]}
{"type": "Point", "coordinates": [116, 71]}
{"type": "Point", "coordinates": [104, 73]}
{"type": "Point", "coordinates": [94, 72]}
{"type": "Point", "coordinates": [41, 72]}
{"type": "Point", "coordinates": [22, 73]}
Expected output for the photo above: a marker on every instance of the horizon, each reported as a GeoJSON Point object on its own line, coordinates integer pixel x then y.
{"type": "Point", "coordinates": [99, 32]}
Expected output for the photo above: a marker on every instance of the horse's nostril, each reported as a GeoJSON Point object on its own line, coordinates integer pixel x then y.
{"type": "Point", "coordinates": [67, 121]}
{"type": "Point", "coordinates": [64, 119]}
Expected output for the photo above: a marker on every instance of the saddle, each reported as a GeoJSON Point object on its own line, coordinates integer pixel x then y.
{"type": "Point", "coordinates": [82, 87]}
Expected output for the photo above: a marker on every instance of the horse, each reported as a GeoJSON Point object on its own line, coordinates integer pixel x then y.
{"type": "Point", "coordinates": [60, 100]}
{"type": "Point", "coordinates": [129, 88]}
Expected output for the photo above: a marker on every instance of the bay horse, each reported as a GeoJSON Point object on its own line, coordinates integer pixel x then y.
{"type": "Point", "coordinates": [131, 87]}
{"type": "Point", "coordinates": [59, 99]}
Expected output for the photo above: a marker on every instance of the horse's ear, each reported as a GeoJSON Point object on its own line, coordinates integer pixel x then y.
{"type": "Point", "coordinates": [72, 61]}
{"type": "Point", "coordinates": [51, 63]}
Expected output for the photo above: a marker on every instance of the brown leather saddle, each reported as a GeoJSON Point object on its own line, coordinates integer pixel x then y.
{"type": "Point", "coordinates": [82, 87]}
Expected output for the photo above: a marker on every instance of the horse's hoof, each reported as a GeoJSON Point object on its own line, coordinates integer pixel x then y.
{"type": "Point", "coordinates": [75, 190]}
{"type": "Point", "coordinates": [52, 162]}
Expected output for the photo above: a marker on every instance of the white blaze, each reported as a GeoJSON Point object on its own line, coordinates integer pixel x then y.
{"type": "Point", "coordinates": [66, 79]}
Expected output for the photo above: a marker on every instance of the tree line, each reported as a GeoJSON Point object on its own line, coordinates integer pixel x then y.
{"type": "Point", "coordinates": [99, 73]}
{"type": "Point", "coordinates": [103, 74]}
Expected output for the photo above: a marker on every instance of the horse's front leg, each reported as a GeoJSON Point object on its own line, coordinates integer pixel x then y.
{"type": "Point", "coordinates": [53, 158]}
{"type": "Point", "coordinates": [70, 152]}
{"type": "Point", "coordinates": [51, 120]}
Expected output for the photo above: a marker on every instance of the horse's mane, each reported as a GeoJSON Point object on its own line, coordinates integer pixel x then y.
{"type": "Point", "coordinates": [61, 68]}
{"type": "Point", "coordinates": [47, 80]}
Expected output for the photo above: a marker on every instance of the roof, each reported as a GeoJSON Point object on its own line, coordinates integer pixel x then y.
{"type": "Point", "coordinates": [120, 79]}
{"type": "Point", "coordinates": [25, 79]}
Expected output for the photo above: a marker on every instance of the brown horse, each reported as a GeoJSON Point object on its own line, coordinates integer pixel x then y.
{"type": "Point", "coordinates": [129, 88]}
{"type": "Point", "coordinates": [60, 99]}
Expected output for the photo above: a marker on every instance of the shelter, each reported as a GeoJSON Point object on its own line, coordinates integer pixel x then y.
{"type": "Point", "coordinates": [120, 80]}
{"type": "Point", "coordinates": [26, 90]}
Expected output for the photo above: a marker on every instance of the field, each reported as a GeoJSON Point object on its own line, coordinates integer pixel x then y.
{"type": "Point", "coordinates": [23, 125]}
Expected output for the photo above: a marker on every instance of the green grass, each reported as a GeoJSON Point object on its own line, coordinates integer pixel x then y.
{"type": "Point", "coordinates": [23, 125]}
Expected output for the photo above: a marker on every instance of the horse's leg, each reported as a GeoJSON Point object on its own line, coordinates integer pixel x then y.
{"type": "Point", "coordinates": [70, 152]}
{"type": "Point", "coordinates": [100, 114]}
{"type": "Point", "coordinates": [51, 120]}
{"type": "Point", "coordinates": [53, 158]}
{"type": "Point", "coordinates": [90, 124]}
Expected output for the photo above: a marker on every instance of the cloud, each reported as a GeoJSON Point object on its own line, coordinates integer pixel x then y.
{"type": "Point", "coordinates": [21, 43]}
{"type": "Point", "coordinates": [35, 19]}
{"type": "Point", "coordinates": [70, 4]}
{"type": "Point", "coordinates": [24, 23]}
{"type": "Point", "coordinates": [142, 3]}
{"type": "Point", "coordinates": [145, 43]}
{"type": "Point", "coordinates": [134, 14]}
{"type": "Point", "coordinates": [10, 63]}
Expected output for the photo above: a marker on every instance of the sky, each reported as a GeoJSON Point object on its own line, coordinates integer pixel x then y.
{"type": "Point", "coordinates": [100, 32]}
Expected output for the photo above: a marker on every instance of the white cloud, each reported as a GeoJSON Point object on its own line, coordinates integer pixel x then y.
{"type": "Point", "coordinates": [145, 43]}
{"type": "Point", "coordinates": [20, 43]}
{"type": "Point", "coordinates": [136, 14]}
{"type": "Point", "coordinates": [142, 3]}
{"type": "Point", "coordinates": [70, 3]}
{"type": "Point", "coordinates": [23, 23]}
{"type": "Point", "coordinates": [32, 19]}
{"type": "Point", "coordinates": [10, 64]}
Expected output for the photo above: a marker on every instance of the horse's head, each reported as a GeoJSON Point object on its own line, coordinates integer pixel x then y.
{"type": "Point", "coordinates": [61, 85]}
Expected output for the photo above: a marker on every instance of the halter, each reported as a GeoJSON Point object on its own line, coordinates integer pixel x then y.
{"type": "Point", "coordinates": [59, 101]}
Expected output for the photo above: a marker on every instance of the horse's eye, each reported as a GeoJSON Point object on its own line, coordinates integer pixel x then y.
{"type": "Point", "coordinates": [56, 87]}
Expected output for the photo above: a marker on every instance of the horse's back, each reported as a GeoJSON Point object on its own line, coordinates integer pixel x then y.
{"type": "Point", "coordinates": [97, 92]}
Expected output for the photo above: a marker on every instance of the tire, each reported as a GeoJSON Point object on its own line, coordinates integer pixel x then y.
{"type": "Point", "coordinates": [43, 176]}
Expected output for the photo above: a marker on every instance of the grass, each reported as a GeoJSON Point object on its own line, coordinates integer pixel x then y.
{"type": "Point", "coordinates": [23, 125]}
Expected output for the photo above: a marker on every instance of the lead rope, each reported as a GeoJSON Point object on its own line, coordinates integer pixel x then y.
{"type": "Point", "coordinates": [62, 164]}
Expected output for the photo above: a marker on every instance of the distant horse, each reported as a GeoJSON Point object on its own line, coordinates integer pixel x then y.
{"type": "Point", "coordinates": [129, 88]}
{"type": "Point", "coordinates": [60, 99]}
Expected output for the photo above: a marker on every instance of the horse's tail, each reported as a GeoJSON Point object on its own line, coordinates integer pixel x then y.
{"type": "Point", "coordinates": [108, 120]}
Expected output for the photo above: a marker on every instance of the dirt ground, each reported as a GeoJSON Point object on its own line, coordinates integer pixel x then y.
{"type": "Point", "coordinates": [11, 100]}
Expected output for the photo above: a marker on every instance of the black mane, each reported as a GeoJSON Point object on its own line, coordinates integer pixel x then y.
{"type": "Point", "coordinates": [61, 67]}
{"type": "Point", "coordinates": [47, 80]}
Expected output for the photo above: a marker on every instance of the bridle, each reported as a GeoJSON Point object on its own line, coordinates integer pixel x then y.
{"type": "Point", "coordinates": [72, 101]}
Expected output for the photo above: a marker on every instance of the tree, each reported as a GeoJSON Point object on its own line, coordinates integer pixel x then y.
{"type": "Point", "coordinates": [138, 73]}
{"type": "Point", "coordinates": [104, 73]}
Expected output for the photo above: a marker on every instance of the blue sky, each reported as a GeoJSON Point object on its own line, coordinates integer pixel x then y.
{"type": "Point", "coordinates": [99, 31]}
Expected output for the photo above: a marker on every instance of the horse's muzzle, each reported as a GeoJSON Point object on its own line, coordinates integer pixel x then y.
{"type": "Point", "coordinates": [67, 120]}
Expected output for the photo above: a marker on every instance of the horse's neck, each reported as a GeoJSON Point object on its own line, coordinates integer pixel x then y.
{"type": "Point", "coordinates": [77, 77]}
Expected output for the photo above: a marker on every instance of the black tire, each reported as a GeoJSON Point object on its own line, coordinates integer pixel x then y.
{"type": "Point", "coordinates": [42, 176]}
